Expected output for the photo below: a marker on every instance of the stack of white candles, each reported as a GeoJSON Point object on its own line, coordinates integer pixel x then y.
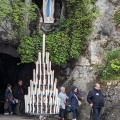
{"type": "Point", "coordinates": [42, 95]}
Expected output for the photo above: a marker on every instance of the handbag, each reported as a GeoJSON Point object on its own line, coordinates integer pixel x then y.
{"type": "Point", "coordinates": [6, 105]}
{"type": "Point", "coordinates": [79, 102]}
{"type": "Point", "coordinates": [69, 109]}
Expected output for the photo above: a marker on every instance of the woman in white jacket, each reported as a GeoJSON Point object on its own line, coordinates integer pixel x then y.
{"type": "Point", "coordinates": [62, 95]}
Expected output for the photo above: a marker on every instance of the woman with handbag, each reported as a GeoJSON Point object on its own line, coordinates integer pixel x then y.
{"type": "Point", "coordinates": [63, 97]}
{"type": "Point", "coordinates": [8, 98]}
{"type": "Point", "coordinates": [74, 101]}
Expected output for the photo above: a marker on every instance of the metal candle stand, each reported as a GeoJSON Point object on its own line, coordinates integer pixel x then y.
{"type": "Point", "coordinates": [42, 98]}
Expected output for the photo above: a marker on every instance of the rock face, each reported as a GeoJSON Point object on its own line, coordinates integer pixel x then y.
{"type": "Point", "coordinates": [111, 92]}
{"type": "Point", "coordinates": [6, 29]}
{"type": "Point", "coordinates": [104, 37]}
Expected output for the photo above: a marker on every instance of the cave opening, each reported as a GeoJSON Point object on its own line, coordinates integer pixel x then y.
{"type": "Point", "coordinates": [11, 72]}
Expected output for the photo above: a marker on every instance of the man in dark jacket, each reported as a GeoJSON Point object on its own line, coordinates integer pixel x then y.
{"type": "Point", "coordinates": [96, 100]}
{"type": "Point", "coordinates": [18, 93]}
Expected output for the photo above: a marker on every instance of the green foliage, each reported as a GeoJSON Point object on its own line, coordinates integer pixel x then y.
{"type": "Point", "coordinates": [18, 13]}
{"type": "Point", "coordinates": [117, 17]}
{"type": "Point", "coordinates": [68, 41]}
{"type": "Point", "coordinates": [28, 48]}
{"type": "Point", "coordinates": [112, 65]}
{"type": "Point", "coordinates": [31, 45]}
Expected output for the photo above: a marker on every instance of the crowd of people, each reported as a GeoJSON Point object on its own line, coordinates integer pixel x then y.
{"type": "Point", "coordinates": [14, 98]}
{"type": "Point", "coordinates": [71, 103]}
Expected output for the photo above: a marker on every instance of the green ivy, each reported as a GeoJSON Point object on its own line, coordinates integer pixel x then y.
{"type": "Point", "coordinates": [117, 17]}
{"type": "Point", "coordinates": [15, 11]}
{"type": "Point", "coordinates": [68, 41]}
{"type": "Point", "coordinates": [111, 69]}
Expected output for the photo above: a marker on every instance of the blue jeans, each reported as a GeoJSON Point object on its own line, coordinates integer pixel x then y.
{"type": "Point", "coordinates": [96, 111]}
{"type": "Point", "coordinates": [74, 112]}
{"type": "Point", "coordinates": [9, 110]}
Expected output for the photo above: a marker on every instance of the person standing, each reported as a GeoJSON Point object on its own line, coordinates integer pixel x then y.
{"type": "Point", "coordinates": [96, 100]}
{"type": "Point", "coordinates": [8, 98]}
{"type": "Point", "coordinates": [18, 93]}
{"type": "Point", "coordinates": [73, 101]}
{"type": "Point", "coordinates": [63, 97]}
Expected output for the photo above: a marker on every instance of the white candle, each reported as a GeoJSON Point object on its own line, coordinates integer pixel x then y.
{"type": "Point", "coordinates": [43, 89]}
{"type": "Point", "coordinates": [39, 83]}
{"type": "Point", "coordinates": [29, 91]}
{"type": "Point", "coordinates": [53, 101]}
{"type": "Point", "coordinates": [56, 92]}
{"type": "Point", "coordinates": [49, 100]}
{"type": "Point", "coordinates": [44, 74]}
{"type": "Point", "coordinates": [46, 101]}
{"type": "Point", "coordinates": [40, 72]}
{"type": "Point", "coordinates": [56, 81]}
{"type": "Point", "coordinates": [30, 105]}
{"type": "Point", "coordinates": [43, 54]}
{"type": "Point", "coordinates": [39, 58]}
{"type": "Point", "coordinates": [48, 80]}
{"type": "Point", "coordinates": [48, 92]}
{"type": "Point", "coordinates": [47, 57]}
{"type": "Point", "coordinates": [25, 103]}
{"type": "Point", "coordinates": [50, 109]}
{"type": "Point", "coordinates": [53, 74]}
{"type": "Point", "coordinates": [54, 89]}
{"type": "Point", "coordinates": [50, 105]}
{"type": "Point", "coordinates": [36, 76]}
{"type": "Point", "coordinates": [31, 87]}
{"type": "Point", "coordinates": [27, 107]}
{"type": "Point", "coordinates": [50, 66]}
{"type": "Point", "coordinates": [54, 109]}
{"type": "Point", "coordinates": [33, 103]}
{"type": "Point", "coordinates": [37, 103]}
{"type": "Point", "coordinates": [41, 102]}
{"type": "Point", "coordinates": [51, 78]}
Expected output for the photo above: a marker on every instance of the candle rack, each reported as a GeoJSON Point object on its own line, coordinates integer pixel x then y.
{"type": "Point", "coordinates": [42, 98]}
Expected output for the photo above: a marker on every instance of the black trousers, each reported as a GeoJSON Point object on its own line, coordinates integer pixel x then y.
{"type": "Point", "coordinates": [19, 107]}
{"type": "Point", "coordinates": [62, 113]}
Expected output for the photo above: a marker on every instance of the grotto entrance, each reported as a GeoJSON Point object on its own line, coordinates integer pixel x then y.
{"type": "Point", "coordinates": [8, 65]}
{"type": "Point", "coordinates": [10, 72]}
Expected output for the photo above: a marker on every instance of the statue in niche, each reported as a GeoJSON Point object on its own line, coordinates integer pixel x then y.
{"type": "Point", "coordinates": [48, 11]}
{"type": "Point", "coordinates": [51, 11]}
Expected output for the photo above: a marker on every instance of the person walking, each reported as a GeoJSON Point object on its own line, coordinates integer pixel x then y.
{"type": "Point", "coordinates": [8, 98]}
{"type": "Point", "coordinates": [73, 101]}
{"type": "Point", "coordinates": [96, 100]}
{"type": "Point", "coordinates": [63, 97]}
{"type": "Point", "coordinates": [18, 93]}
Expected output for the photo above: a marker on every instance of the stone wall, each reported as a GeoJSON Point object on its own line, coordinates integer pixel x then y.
{"type": "Point", "coordinates": [111, 92]}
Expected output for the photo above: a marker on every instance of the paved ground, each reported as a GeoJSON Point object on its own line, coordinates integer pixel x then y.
{"type": "Point", "coordinates": [13, 117]}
